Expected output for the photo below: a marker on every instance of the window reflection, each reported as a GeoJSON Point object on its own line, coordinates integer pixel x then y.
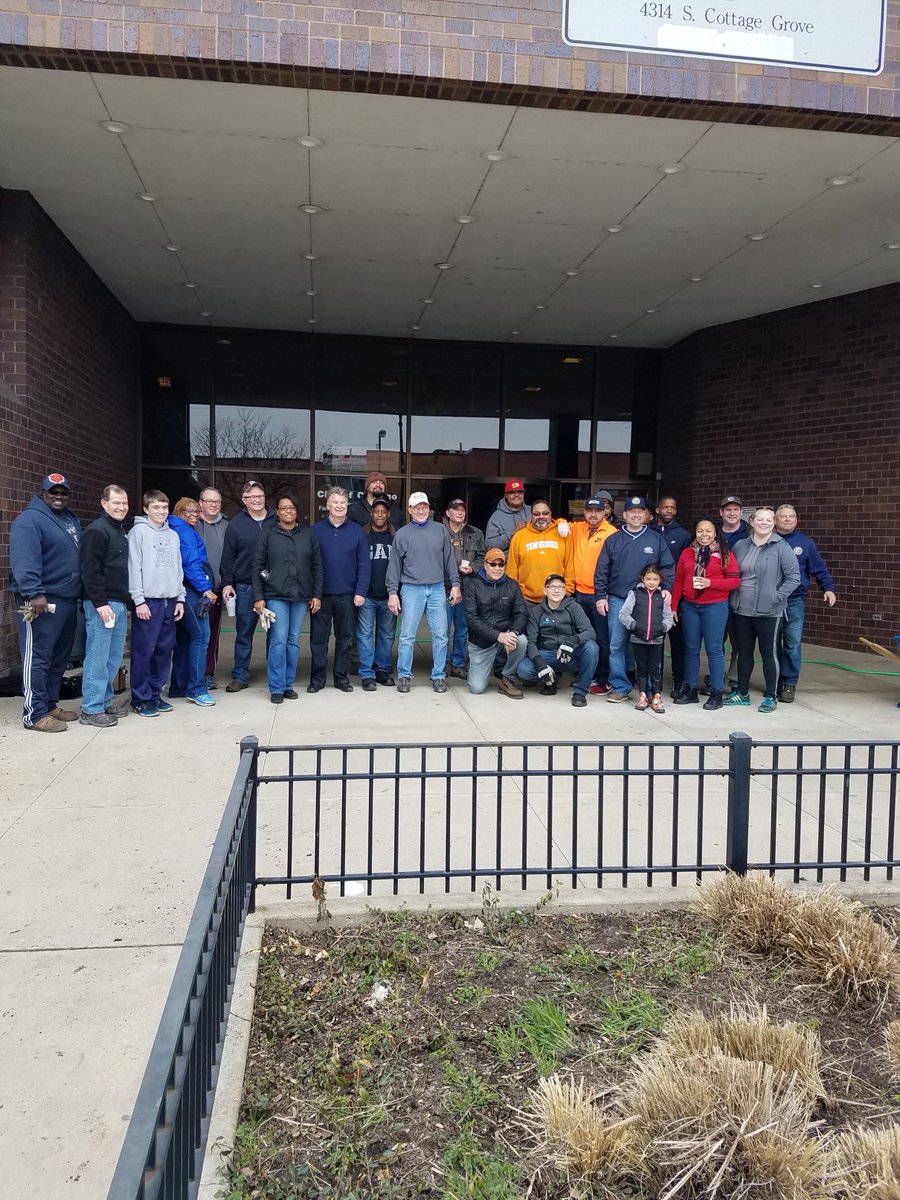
{"type": "Point", "coordinates": [547, 400]}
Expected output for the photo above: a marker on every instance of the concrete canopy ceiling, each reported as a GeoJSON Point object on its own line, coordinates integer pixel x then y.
{"type": "Point", "coordinates": [393, 175]}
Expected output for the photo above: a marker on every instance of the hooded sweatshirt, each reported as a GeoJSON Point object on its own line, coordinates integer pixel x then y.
{"type": "Point", "coordinates": [503, 523]}
{"type": "Point", "coordinates": [154, 563]}
{"type": "Point", "coordinates": [44, 553]}
{"type": "Point", "coordinates": [534, 554]}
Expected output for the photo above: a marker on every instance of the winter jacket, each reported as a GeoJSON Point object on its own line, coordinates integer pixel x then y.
{"type": "Point", "coordinates": [154, 563]}
{"type": "Point", "coordinates": [549, 628]}
{"type": "Point", "coordinates": [676, 537]}
{"type": "Point", "coordinates": [503, 523]}
{"type": "Point", "coordinates": [721, 584]}
{"type": "Point", "coordinates": [213, 534]}
{"type": "Point", "coordinates": [104, 561]}
{"type": "Point", "coordinates": [421, 554]}
{"type": "Point", "coordinates": [765, 588]}
{"type": "Point", "coordinates": [467, 544]}
{"type": "Point", "coordinates": [534, 554]}
{"type": "Point", "coordinates": [381, 547]}
{"type": "Point", "coordinates": [44, 553]}
{"type": "Point", "coordinates": [197, 571]}
{"type": "Point", "coordinates": [239, 547]}
{"type": "Point", "coordinates": [624, 556]}
{"type": "Point", "coordinates": [287, 565]}
{"type": "Point", "coordinates": [739, 534]}
{"type": "Point", "coordinates": [586, 546]}
{"type": "Point", "coordinates": [360, 512]}
{"type": "Point", "coordinates": [345, 558]}
{"type": "Point", "coordinates": [647, 615]}
{"type": "Point", "coordinates": [810, 562]}
{"type": "Point", "coordinates": [493, 606]}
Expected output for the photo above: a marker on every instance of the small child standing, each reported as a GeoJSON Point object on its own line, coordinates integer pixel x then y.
{"type": "Point", "coordinates": [649, 617]}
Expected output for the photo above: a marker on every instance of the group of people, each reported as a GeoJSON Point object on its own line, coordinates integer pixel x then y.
{"type": "Point", "coordinates": [531, 599]}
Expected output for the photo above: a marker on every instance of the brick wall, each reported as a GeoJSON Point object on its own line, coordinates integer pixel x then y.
{"type": "Point", "coordinates": [69, 378]}
{"type": "Point", "coordinates": [801, 407]}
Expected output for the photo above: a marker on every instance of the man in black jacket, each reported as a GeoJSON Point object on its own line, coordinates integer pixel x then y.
{"type": "Point", "coordinates": [560, 638]}
{"type": "Point", "coordinates": [237, 575]}
{"type": "Point", "coordinates": [677, 538]}
{"type": "Point", "coordinates": [104, 580]}
{"type": "Point", "coordinates": [496, 615]}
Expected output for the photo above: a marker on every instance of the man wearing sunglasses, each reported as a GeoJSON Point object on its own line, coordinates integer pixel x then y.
{"type": "Point", "coordinates": [496, 616]}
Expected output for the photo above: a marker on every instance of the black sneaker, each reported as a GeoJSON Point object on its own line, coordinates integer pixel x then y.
{"type": "Point", "coordinates": [403, 684]}
{"type": "Point", "coordinates": [578, 700]}
{"type": "Point", "coordinates": [385, 678]}
{"type": "Point", "coordinates": [549, 689]}
{"type": "Point", "coordinates": [276, 697]}
{"type": "Point", "coordinates": [439, 685]}
{"type": "Point", "coordinates": [787, 694]}
{"type": "Point", "coordinates": [146, 708]}
{"type": "Point", "coordinates": [290, 694]}
{"type": "Point", "coordinates": [369, 685]}
{"type": "Point", "coordinates": [237, 685]}
{"type": "Point", "coordinates": [100, 720]}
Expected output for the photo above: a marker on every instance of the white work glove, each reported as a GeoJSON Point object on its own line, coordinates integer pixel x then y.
{"type": "Point", "coordinates": [548, 675]}
{"type": "Point", "coordinates": [564, 654]}
{"type": "Point", "coordinates": [266, 619]}
{"type": "Point", "coordinates": [562, 528]}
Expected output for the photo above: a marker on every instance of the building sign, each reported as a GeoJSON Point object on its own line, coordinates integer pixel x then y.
{"type": "Point", "coordinates": [828, 35]}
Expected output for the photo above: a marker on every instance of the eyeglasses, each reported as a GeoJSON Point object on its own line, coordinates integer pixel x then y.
{"type": "Point", "coordinates": [210, 501]}
{"type": "Point", "coordinates": [495, 562]}
{"type": "Point", "coordinates": [556, 587]}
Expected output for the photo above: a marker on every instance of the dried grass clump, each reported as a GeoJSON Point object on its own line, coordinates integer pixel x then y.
{"type": "Point", "coordinates": [834, 942]}
{"type": "Point", "coordinates": [747, 1034]}
{"type": "Point", "coordinates": [721, 1126]}
{"type": "Point", "coordinates": [865, 1163]}
{"type": "Point", "coordinates": [579, 1135]}
{"type": "Point", "coordinates": [891, 1035]}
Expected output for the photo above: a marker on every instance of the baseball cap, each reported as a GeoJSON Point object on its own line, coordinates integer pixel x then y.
{"type": "Point", "coordinates": [417, 498]}
{"type": "Point", "coordinates": [594, 502]}
{"type": "Point", "coordinates": [514, 485]}
{"type": "Point", "coordinates": [604, 495]}
{"type": "Point", "coordinates": [252, 483]}
{"type": "Point", "coordinates": [635, 502]}
{"type": "Point", "coordinates": [456, 504]}
{"type": "Point", "coordinates": [381, 502]}
{"type": "Point", "coordinates": [554, 575]}
{"type": "Point", "coordinates": [495, 554]}
{"type": "Point", "coordinates": [732, 500]}
{"type": "Point", "coordinates": [54, 479]}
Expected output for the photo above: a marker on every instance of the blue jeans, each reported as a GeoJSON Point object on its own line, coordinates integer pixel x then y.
{"type": "Point", "coordinates": [621, 655]}
{"type": "Point", "coordinates": [459, 630]}
{"type": "Point", "coordinates": [283, 647]}
{"type": "Point", "coordinates": [102, 656]}
{"type": "Point", "coordinates": [481, 664]}
{"type": "Point", "coordinates": [430, 599]}
{"type": "Point", "coordinates": [191, 640]}
{"type": "Point", "coordinates": [706, 623]}
{"type": "Point", "coordinates": [376, 626]}
{"type": "Point", "coordinates": [791, 636]}
{"type": "Point", "coordinates": [601, 630]}
{"type": "Point", "coordinates": [584, 661]}
{"type": "Point", "coordinates": [245, 624]}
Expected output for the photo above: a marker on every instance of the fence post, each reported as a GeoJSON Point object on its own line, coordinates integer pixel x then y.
{"type": "Point", "coordinates": [736, 849]}
{"type": "Point", "coordinates": [252, 744]}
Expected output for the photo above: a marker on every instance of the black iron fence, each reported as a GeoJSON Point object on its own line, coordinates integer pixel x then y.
{"type": "Point", "coordinates": [162, 1156]}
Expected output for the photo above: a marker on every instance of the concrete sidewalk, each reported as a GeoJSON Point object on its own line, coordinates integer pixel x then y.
{"type": "Point", "coordinates": [105, 835]}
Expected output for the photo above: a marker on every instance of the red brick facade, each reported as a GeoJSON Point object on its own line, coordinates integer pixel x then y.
{"type": "Point", "coordinates": [69, 378]}
{"type": "Point", "coordinates": [801, 407]}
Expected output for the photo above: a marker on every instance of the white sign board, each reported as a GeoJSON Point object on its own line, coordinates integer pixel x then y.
{"type": "Point", "coordinates": [827, 35]}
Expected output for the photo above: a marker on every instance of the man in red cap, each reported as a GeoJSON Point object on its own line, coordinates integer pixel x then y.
{"type": "Point", "coordinates": [510, 514]}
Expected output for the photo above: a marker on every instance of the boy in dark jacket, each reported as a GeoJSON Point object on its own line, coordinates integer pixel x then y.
{"type": "Point", "coordinates": [560, 638]}
{"type": "Point", "coordinates": [496, 616]}
{"type": "Point", "coordinates": [104, 577]}
{"type": "Point", "coordinates": [648, 614]}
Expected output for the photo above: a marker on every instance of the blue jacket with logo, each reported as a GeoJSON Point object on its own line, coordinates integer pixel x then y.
{"type": "Point", "coordinates": [625, 555]}
{"type": "Point", "coordinates": [810, 562]}
{"type": "Point", "coordinates": [677, 538]}
{"type": "Point", "coordinates": [44, 553]}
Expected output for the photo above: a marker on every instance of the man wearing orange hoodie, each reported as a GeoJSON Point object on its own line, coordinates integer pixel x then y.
{"type": "Point", "coordinates": [538, 549]}
{"type": "Point", "coordinates": [587, 539]}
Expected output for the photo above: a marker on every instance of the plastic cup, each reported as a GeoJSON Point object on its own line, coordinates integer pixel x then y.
{"type": "Point", "coordinates": [110, 622]}
{"type": "Point", "coordinates": [231, 605]}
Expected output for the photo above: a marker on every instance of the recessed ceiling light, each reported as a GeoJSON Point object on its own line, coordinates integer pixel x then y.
{"type": "Point", "coordinates": [572, 359]}
{"type": "Point", "coordinates": [756, 237]}
{"type": "Point", "coordinates": [539, 307]}
{"type": "Point", "coordinates": [671, 169]}
{"type": "Point", "coordinates": [310, 142]}
{"type": "Point", "coordinates": [572, 274]}
{"type": "Point", "coordinates": [841, 180]}
{"type": "Point", "coordinates": [651, 310]}
{"type": "Point", "coordinates": [816, 286]}
{"type": "Point", "coordinates": [312, 292]}
{"type": "Point", "coordinates": [443, 266]}
{"type": "Point", "coordinates": [190, 285]}
{"type": "Point", "coordinates": [389, 383]}
{"type": "Point", "coordinates": [311, 208]}
{"type": "Point", "coordinates": [892, 245]}
{"type": "Point", "coordinates": [516, 332]}
{"type": "Point", "coordinates": [495, 155]}
{"type": "Point", "coordinates": [205, 313]}
{"type": "Point", "coordinates": [115, 126]}
{"type": "Point", "coordinates": [223, 341]}
{"type": "Point", "coordinates": [428, 300]}
{"type": "Point", "coordinates": [310, 320]}
{"type": "Point", "coordinates": [310, 257]}
{"type": "Point", "coordinates": [415, 326]}
{"type": "Point", "coordinates": [148, 196]}
{"type": "Point", "coordinates": [614, 229]}
{"type": "Point", "coordinates": [171, 246]}
{"type": "Point", "coordinates": [696, 279]}
{"type": "Point", "coordinates": [466, 219]}
{"type": "Point", "coordinates": [533, 389]}
{"type": "Point", "coordinates": [613, 336]}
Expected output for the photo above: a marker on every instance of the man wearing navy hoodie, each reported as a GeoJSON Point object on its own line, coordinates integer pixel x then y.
{"type": "Point", "coordinates": [347, 570]}
{"type": "Point", "coordinates": [811, 565]}
{"type": "Point", "coordinates": [46, 578]}
{"type": "Point", "coordinates": [677, 538]}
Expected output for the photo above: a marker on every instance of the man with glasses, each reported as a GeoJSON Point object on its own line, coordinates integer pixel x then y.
{"type": "Point", "coordinates": [496, 616]}
{"type": "Point", "coordinates": [540, 547]}
{"type": "Point", "coordinates": [560, 639]}
{"type": "Point", "coordinates": [212, 528]}
{"type": "Point", "coordinates": [45, 566]}
{"type": "Point", "coordinates": [238, 549]}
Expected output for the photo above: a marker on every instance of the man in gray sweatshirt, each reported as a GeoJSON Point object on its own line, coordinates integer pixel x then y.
{"type": "Point", "coordinates": [156, 584]}
{"type": "Point", "coordinates": [422, 556]}
{"type": "Point", "coordinates": [511, 513]}
{"type": "Point", "coordinates": [211, 527]}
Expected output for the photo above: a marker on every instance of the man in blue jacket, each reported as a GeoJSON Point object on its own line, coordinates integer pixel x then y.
{"type": "Point", "coordinates": [619, 567]}
{"type": "Point", "coordinates": [45, 564]}
{"type": "Point", "coordinates": [811, 566]}
{"type": "Point", "coordinates": [347, 570]}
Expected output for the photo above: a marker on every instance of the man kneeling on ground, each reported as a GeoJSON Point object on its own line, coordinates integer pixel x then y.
{"type": "Point", "coordinates": [560, 638]}
{"type": "Point", "coordinates": [496, 615]}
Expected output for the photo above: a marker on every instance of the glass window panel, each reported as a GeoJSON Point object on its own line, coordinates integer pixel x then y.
{"type": "Point", "coordinates": [612, 462]}
{"type": "Point", "coordinates": [177, 390]}
{"type": "Point", "coordinates": [353, 483]}
{"type": "Point", "coordinates": [547, 405]}
{"type": "Point", "coordinates": [456, 398]}
{"type": "Point", "coordinates": [173, 481]}
{"type": "Point", "coordinates": [275, 484]}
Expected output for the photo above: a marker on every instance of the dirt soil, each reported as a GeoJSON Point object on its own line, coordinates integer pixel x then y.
{"type": "Point", "coordinates": [395, 1059]}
